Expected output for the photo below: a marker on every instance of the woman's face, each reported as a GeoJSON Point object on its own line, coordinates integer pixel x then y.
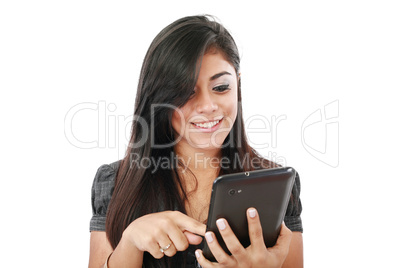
{"type": "Point", "coordinates": [208, 116]}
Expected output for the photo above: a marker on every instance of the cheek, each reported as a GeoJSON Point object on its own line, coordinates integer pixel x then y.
{"type": "Point", "coordinates": [177, 121]}
{"type": "Point", "coordinates": [231, 108]}
{"type": "Point", "coordinates": [234, 110]}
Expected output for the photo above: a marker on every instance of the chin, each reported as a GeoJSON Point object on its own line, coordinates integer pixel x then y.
{"type": "Point", "coordinates": [208, 144]}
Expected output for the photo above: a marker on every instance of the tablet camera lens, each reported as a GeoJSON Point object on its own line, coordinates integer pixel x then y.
{"type": "Point", "coordinates": [232, 192]}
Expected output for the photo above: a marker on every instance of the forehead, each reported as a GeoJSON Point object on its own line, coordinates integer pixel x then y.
{"type": "Point", "coordinates": [214, 62]}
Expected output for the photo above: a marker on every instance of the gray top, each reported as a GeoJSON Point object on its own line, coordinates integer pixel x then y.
{"type": "Point", "coordinates": [103, 187]}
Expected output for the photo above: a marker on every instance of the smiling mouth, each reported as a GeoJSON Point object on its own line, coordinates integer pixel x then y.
{"type": "Point", "coordinates": [207, 125]}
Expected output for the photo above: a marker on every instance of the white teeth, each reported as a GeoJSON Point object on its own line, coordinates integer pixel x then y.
{"type": "Point", "coordinates": [207, 125]}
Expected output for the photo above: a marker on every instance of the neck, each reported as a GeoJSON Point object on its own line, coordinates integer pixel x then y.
{"type": "Point", "coordinates": [198, 160]}
{"type": "Point", "coordinates": [201, 167]}
{"type": "Point", "coordinates": [203, 164]}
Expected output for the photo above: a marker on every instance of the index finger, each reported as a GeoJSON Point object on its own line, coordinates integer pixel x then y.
{"type": "Point", "coordinates": [189, 224]}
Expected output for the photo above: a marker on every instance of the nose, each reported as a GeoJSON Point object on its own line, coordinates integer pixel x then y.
{"type": "Point", "coordinates": [205, 102]}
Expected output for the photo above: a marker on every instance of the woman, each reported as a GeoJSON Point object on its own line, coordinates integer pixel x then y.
{"type": "Point", "coordinates": [150, 208]}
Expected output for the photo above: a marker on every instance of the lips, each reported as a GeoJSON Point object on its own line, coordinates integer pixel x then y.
{"type": "Point", "coordinates": [207, 124]}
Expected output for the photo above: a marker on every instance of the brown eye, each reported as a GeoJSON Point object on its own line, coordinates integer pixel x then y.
{"type": "Point", "coordinates": [221, 88]}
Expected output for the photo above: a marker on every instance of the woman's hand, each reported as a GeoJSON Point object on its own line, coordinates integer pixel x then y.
{"type": "Point", "coordinates": [255, 255]}
{"type": "Point", "coordinates": [169, 230]}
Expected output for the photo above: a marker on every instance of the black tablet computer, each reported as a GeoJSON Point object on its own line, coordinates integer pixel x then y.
{"type": "Point", "coordinates": [267, 190]}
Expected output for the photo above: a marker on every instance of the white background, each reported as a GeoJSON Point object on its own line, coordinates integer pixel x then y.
{"type": "Point", "coordinates": [297, 57]}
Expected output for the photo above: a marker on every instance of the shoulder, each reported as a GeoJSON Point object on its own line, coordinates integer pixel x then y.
{"type": "Point", "coordinates": [107, 170]}
{"type": "Point", "coordinates": [101, 194]}
{"type": "Point", "coordinates": [293, 212]}
{"type": "Point", "coordinates": [105, 176]}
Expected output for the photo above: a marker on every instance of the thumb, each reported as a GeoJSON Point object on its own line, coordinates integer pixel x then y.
{"type": "Point", "coordinates": [283, 242]}
{"type": "Point", "coordinates": [193, 239]}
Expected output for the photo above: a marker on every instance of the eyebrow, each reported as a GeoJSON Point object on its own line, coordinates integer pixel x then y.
{"type": "Point", "coordinates": [216, 76]}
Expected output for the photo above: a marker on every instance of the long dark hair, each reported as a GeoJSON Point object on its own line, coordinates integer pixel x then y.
{"type": "Point", "coordinates": [168, 76]}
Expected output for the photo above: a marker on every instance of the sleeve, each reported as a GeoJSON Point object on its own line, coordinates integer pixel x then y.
{"type": "Point", "coordinates": [292, 217]}
{"type": "Point", "coordinates": [102, 189]}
